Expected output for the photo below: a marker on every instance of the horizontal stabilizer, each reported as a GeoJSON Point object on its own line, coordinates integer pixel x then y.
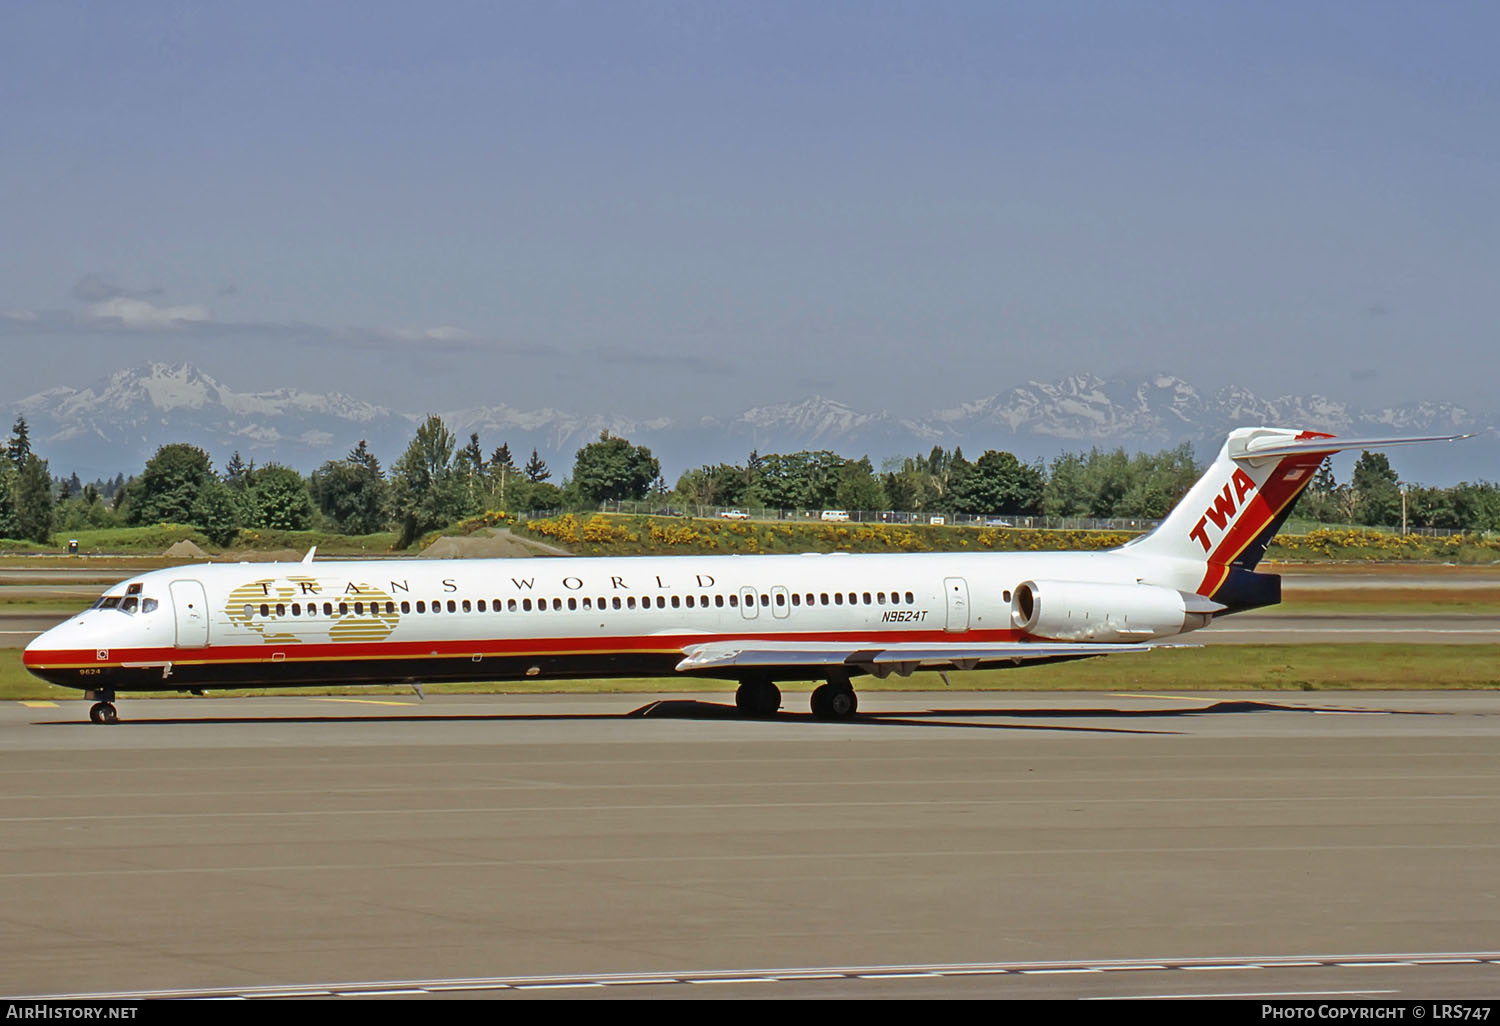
{"type": "Point", "coordinates": [1277, 445]}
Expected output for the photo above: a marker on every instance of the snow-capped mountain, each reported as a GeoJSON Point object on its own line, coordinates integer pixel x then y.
{"type": "Point", "coordinates": [117, 424]}
{"type": "Point", "coordinates": [559, 432]}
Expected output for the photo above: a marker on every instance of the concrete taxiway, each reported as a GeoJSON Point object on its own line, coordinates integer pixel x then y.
{"type": "Point", "coordinates": [951, 845]}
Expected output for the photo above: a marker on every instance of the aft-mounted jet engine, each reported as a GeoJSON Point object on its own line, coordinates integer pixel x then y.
{"type": "Point", "coordinates": [1090, 611]}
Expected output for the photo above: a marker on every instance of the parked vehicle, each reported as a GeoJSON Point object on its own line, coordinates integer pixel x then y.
{"type": "Point", "coordinates": [836, 516]}
{"type": "Point", "coordinates": [734, 514]}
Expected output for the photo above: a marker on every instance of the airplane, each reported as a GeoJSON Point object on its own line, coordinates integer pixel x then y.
{"type": "Point", "coordinates": [757, 620]}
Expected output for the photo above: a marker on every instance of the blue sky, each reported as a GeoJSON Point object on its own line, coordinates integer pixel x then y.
{"type": "Point", "coordinates": [691, 208]}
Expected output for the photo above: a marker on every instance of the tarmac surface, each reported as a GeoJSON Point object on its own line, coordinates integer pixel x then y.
{"type": "Point", "coordinates": [950, 845]}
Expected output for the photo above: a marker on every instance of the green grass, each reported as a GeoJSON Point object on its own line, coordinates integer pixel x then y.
{"type": "Point", "coordinates": [1211, 668]}
{"type": "Point", "coordinates": [156, 539]}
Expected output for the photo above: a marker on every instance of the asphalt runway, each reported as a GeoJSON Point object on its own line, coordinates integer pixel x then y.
{"type": "Point", "coordinates": [952, 845]}
{"type": "Point", "coordinates": [1363, 628]}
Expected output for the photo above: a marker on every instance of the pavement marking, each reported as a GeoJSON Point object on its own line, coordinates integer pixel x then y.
{"type": "Point", "coordinates": [40, 705]}
{"type": "Point", "coordinates": [1244, 994]}
{"type": "Point", "coordinates": [1174, 698]}
{"type": "Point", "coordinates": [366, 988]}
{"type": "Point", "coordinates": [361, 701]}
{"type": "Point", "coordinates": [1219, 968]}
{"type": "Point", "coordinates": [780, 857]}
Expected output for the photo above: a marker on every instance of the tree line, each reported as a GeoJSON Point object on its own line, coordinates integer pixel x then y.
{"type": "Point", "coordinates": [437, 482]}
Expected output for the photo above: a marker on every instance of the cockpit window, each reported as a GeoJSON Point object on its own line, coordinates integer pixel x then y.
{"type": "Point", "coordinates": [131, 603]}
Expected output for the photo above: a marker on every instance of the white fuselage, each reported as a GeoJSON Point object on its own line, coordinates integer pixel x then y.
{"type": "Point", "coordinates": [390, 620]}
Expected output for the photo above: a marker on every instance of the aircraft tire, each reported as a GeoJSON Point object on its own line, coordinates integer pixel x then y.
{"type": "Point", "coordinates": [834, 702]}
{"type": "Point", "coordinates": [103, 712]}
{"type": "Point", "coordinates": [758, 698]}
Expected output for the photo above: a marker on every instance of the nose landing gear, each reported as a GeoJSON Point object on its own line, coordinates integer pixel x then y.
{"type": "Point", "coordinates": [103, 710]}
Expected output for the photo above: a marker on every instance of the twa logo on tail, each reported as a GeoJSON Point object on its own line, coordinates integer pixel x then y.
{"type": "Point", "coordinates": [1221, 512]}
{"type": "Point", "coordinates": [1235, 509]}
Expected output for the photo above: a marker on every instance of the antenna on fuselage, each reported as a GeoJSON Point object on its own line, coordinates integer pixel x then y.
{"type": "Point", "coordinates": [309, 557]}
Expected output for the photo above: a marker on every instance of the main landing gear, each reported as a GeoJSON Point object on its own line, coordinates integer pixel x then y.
{"type": "Point", "coordinates": [758, 697]}
{"type": "Point", "coordinates": [835, 700]}
{"type": "Point", "coordinates": [102, 711]}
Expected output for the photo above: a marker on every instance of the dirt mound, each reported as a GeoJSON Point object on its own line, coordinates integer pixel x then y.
{"type": "Point", "coordinates": [492, 543]}
{"type": "Point", "coordinates": [185, 549]}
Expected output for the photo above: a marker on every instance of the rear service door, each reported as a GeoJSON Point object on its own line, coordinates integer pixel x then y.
{"type": "Point", "coordinates": [190, 607]}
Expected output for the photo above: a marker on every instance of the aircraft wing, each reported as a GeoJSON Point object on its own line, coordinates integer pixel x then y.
{"type": "Point", "coordinates": [884, 659]}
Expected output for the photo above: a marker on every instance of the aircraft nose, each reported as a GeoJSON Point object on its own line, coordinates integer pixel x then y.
{"type": "Point", "coordinates": [51, 653]}
{"type": "Point", "coordinates": [31, 655]}
{"type": "Point", "coordinates": [46, 646]}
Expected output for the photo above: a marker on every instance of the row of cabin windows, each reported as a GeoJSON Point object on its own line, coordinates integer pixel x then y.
{"type": "Point", "coordinates": [527, 605]}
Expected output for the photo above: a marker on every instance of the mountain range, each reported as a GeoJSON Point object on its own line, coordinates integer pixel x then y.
{"type": "Point", "coordinates": [116, 424]}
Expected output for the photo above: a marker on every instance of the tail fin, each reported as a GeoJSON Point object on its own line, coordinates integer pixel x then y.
{"type": "Point", "coordinates": [1228, 518]}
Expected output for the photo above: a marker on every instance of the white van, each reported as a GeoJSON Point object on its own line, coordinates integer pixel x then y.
{"type": "Point", "coordinates": [836, 516]}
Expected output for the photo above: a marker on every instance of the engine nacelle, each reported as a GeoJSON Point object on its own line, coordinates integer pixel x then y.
{"type": "Point", "coordinates": [1086, 611]}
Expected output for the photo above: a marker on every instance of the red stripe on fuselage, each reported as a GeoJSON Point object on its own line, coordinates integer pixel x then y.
{"type": "Point", "coordinates": [361, 650]}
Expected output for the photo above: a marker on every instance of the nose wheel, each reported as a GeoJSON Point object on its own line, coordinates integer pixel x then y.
{"type": "Point", "coordinates": [102, 711]}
